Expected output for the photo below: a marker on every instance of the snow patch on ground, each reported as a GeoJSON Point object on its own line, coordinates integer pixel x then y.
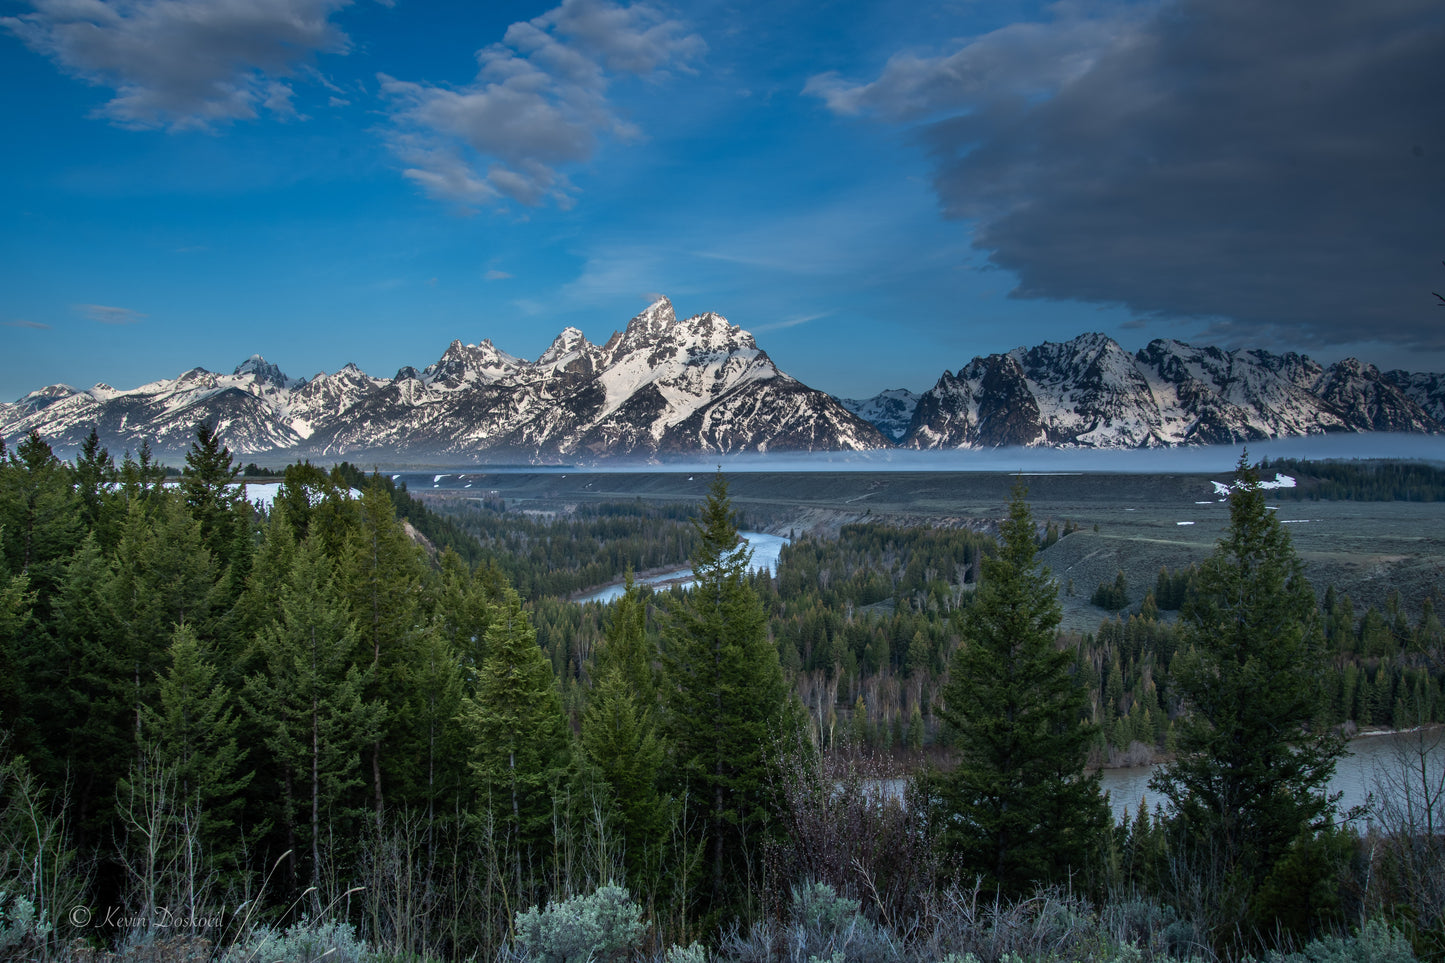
{"type": "Point", "coordinates": [1279, 481]}
{"type": "Point", "coordinates": [263, 494]}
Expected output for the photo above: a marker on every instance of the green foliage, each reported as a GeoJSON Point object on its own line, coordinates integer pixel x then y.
{"type": "Point", "coordinates": [208, 485]}
{"type": "Point", "coordinates": [1374, 943]}
{"type": "Point", "coordinates": [308, 699]}
{"type": "Point", "coordinates": [599, 926]}
{"type": "Point", "coordinates": [1303, 893]}
{"type": "Point", "coordinates": [1017, 809]}
{"type": "Point", "coordinates": [40, 516]}
{"type": "Point", "coordinates": [194, 726]}
{"type": "Point", "coordinates": [1359, 480]}
{"type": "Point", "coordinates": [440, 531]}
{"type": "Point", "coordinates": [22, 929]}
{"type": "Point", "coordinates": [1111, 596]}
{"type": "Point", "coordinates": [723, 696]}
{"type": "Point", "coordinates": [302, 942]}
{"type": "Point", "coordinates": [1254, 756]}
{"type": "Point", "coordinates": [520, 743]}
{"type": "Point", "coordinates": [1171, 588]}
{"type": "Point", "coordinates": [825, 926]}
{"type": "Point", "coordinates": [619, 731]}
{"type": "Point", "coordinates": [692, 953]}
{"type": "Point", "coordinates": [317, 683]}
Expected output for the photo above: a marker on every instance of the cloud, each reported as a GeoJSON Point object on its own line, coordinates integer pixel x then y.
{"type": "Point", "coordinates": [1277, 169]}
{"type": "Point", "coordinates": [183, 64]}
{"type": "Point", "coordinates": [106, 314]}
{"type": "Point", "coordinates": [22, 323]}
{"type": "Point", "coordinates": [780, 325]}
{"type": "Point", "coordinates": [495, 275]}
{"type": "Point", "coordinates": [538, 103]}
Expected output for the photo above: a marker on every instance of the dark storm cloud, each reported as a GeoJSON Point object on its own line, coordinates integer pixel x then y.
{"type": "Point", "coordinates": [1276, 167]}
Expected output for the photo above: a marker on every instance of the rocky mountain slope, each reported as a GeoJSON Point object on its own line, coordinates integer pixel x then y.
{"type": "Point", "coordinates": [1089, 392]}
{"type": "Point", "coordinates": [891, 411]}
{"type": "Point", "coordinates": [665, 387]}
{"type": "Point", "coordinates": [659, 387]}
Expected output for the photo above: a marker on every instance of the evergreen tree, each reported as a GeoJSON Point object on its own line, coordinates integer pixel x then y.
{"type": "Point", "coordinates": [381, 570]}
{"type": "Point", "coordinates": [307, 700]}
{"type": "Point", "coordinates": [1017, 810]}
{"type": "Point", "coordinates": [40, 518]}
{"type": "Point", "coordinates": [520, 741]}
{"type": "Point", "coordinates": [208, 484]}
{"type": "Point", "coordinates": [94, 476]}
{"type": "Point", "coordinates": [17, 628]}
{"type": "Point", "coordinates": [94, 698]}
{"type": "Point", "coordinates": [724, 696]}
{"type": "Point", "coordinates": [1254, 756]}
{"type": "Point", "coordinates": [619, 731]}
{"type": "Point", "coordinates": [141, 477]}
{"type": "Point", "coordinates": [193, 727]}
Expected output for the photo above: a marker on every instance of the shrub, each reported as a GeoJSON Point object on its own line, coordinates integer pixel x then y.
{"type": "Point", "coordinates": [21, 929]}
{"type": "Point", "coordinates": [603, 925]}
{"type": "Point", "coordinates": [693, 953]}
{"type": "Point", "coordinates": [826, 927]}
{"type": "Point", "coordinates": [1375, 943]}
{"type": "Point", "coordinates": [301, 942]}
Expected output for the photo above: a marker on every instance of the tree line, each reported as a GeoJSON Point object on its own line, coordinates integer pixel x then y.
{"type": "Point", "coordinates": [304, 713]}
{"type": "Point", "coordinates": [206, 705]}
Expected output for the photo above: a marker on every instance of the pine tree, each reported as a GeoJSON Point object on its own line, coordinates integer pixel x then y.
{"type": "Point", "coordinates": [40, 518]}
{"type": "Point", "coordinates": [193, 727]}
{"type": "Point", "coordinates": [724, 696]}
{"type": "Point", "coordinates": [208, 484]}
{"type": "Point", "coordinates": [94, 477]}
{"type": "Point", "coordinates": [95, 697]}
{"type": "Point", "coordinates": [619, 731]}
{"type": "Point", "coordinates": [307, 700]}
{"type": "Point", "coordinates": [520, 742]}
{"type": "Point", "coordinates": [1254, 756]}
{"type": "Point", "coordinates": [381, 571]}
{"type": "Point", "coordinates": [1017, 809]}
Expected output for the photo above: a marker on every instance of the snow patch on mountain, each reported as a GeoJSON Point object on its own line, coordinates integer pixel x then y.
{"type": "Point", "coordinates": [660, 386]}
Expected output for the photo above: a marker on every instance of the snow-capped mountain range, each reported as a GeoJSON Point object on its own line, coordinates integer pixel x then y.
{"type": "Point", "coordinates": [1089, 392]}
{"type": "Point", "coordinates": [660, 387]}
{"type": "Point", "coordinates": [665, 387]}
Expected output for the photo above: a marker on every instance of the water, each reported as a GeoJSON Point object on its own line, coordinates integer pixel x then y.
{"type": "Point", "coordinates": [1355, 774]}
{"type": "Point", "coordinates": [766, 549]}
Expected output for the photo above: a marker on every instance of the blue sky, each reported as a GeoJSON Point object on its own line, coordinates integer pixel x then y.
{"type": "Point", "coordinates": [876, 196]}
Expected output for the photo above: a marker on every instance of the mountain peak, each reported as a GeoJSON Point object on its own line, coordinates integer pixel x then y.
{"type": "Point", "coordinates": [565, 348]}
{"type": "Point", "coordinates": [656, 319]}
{"type": "Point", "coordinates": [263, 371]}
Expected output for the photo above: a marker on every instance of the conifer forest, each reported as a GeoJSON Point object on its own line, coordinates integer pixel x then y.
{"type": "Point", "coordinates": [355, 726]}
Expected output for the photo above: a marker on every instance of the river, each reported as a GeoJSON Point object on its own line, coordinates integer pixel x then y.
{"type": "Point", "coordinates": [1355, 776]}
{"type": "Point", "coordinates": [766, 549]}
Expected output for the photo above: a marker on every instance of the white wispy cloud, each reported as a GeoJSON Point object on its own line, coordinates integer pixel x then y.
{"type": "Point", "coordinates": [538, 103]}
{"type": "Point", "coordinates": [22, 323]}
{"type": "Point", "coordinates": [184, 64]}
{"type": "Point", "coordinates": [495, 275]}
{"type": "Point", "coordinates": [108, 314]}
{"type": "Point", "coordinates": [793, 323]}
